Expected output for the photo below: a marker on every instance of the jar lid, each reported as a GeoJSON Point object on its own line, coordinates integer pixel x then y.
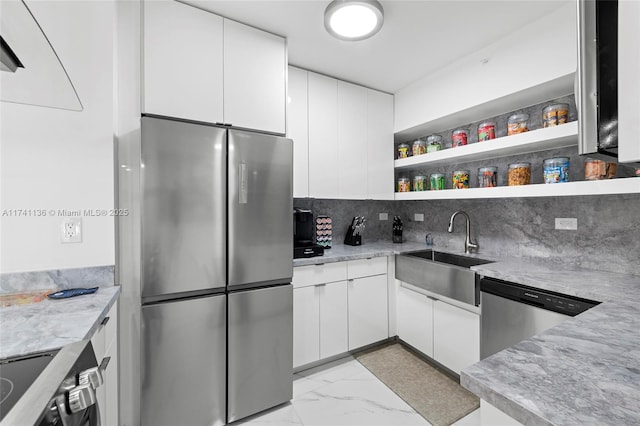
{"type": "Point", "coordinates": [487, 123]}
{"type": "Point", "coordinates": [403, 179]}
{"type": "Point", "coordinates": [434, 138]}
{"type": "Point", "coordinates": [461, 172]}
{"type": "Point", "coordinates": [458, 131]}
{"type": "Point", "coordinates": [519, 117]}
{"type": "Point", "coordinates": [419, 177]}
{"type": "Point", "coordinates": [556, 160]}
{"type": "Point", "coordinates": [436, 175]}
{"type": "Point", "coordinates": [554, 107]}
{"type": "Point", "coordinates": [419, 142]}
{"type": "Point", "coordinates": [519, 165]}
{"type": "Point", "coordinates": [403, 144]}
{"type": "Point", "coordinates": [487, 169]}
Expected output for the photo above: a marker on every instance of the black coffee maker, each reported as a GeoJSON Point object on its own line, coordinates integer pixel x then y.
{"type": "Point", "coordinates": [304, 235]}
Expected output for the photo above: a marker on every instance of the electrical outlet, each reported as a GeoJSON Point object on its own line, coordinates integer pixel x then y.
{"type": "Point", "coordinates": [71, 230]}
{"type": "Point", "coordinates": [418, 217]}
{"type": "Point", "coordinates": [383, 216]}
{"type": "Point", "coordinates": [567, 223]}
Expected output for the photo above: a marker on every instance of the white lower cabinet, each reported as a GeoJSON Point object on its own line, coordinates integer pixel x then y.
{"type": "Point", "coordinates": [319, 322]}
{"type": "Point", "coordinates": [105, 345]}
{"type": "Point", "coordinates": [456, 336]}
{"type": "Point", "coordinates": [415, 320]}
{"type": "Point", "coordinates": [306, 325]}
{"type": "Point", "coordinates": [444, 332]}
{"type": "Point", "coordinates": [368, 311]}
{"type": "Point", "coordinates": [334, 331]}
{"type": "Point", "coordinates": [333, 315]}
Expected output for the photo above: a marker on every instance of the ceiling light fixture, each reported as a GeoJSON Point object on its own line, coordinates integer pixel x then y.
{"type": "Point", "coordinates": [353, 20]}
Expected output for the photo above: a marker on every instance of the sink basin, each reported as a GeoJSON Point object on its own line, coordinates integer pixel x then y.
{"type": "Point", "coordinates": [451, 259]}
{"type": "Point", "coordinates": [441, 273]}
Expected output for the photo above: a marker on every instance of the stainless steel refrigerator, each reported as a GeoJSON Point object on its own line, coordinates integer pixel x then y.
{"type": "Point", "coordinates": [217, 300]}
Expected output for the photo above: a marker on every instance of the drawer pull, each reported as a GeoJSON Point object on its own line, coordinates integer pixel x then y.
{"type": "Point", "coordinates": [321, 285]}
{"type": "Point", "coordinates": [319, 264]}
{"type": "Point", "coordinates": [105, 321]}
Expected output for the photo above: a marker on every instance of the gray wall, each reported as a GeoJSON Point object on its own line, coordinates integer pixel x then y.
{"type": "Point", "coordinates": [608, 235]}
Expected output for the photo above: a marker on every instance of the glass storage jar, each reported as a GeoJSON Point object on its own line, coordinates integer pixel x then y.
{"type": "Point", "coordinates": [434, 143]}
{"type": "Point", "coordinates": [419, 147]}
{"type": "Point", "coordinates": [488, 177]}
{"type": "Point", "coordinates": [419, 183]}
{"type": "Point", "coordinates": [436, 181]}
{"type": "Point", "coordinates": [517, 123]}
{"type": "Point", "coordinates": [519, 174]}
{"type": "Point", "coordinates": [460, 179]}
{"type": "Point", "coordinates": [403, 150]}
{"type": "Point", "coordinates": [404, 185]}
{"type": "Point", "coordinates": [486, 131]}
{"type": "Point", "coordinates": [556, 170]}
{"type": "Point", "coordinates": [459, 137]}
{"type": "Point", "coordinates": [598, 169]}
{"type": "Point", "coordinates": [555, 114]}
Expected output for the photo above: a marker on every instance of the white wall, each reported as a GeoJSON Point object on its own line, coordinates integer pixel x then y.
{"type": "Point", "coordinates": [542, 51]}
{"type": "Point", "coordinates": [56, 159]}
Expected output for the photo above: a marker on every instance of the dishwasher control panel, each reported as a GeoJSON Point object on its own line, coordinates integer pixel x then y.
{"type": "Point", "coordinates": [567, 305]}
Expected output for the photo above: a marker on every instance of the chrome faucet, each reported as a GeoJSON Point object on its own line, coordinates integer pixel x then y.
{"type": "Point", "coordinates": [468, 244]}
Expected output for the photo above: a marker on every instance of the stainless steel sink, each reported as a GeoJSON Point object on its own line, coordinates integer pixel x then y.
{"type": "Point", "coordinates": [445, 274]}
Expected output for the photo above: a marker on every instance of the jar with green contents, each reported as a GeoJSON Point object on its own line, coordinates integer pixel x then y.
{"type": "Point", "coordinates": [436, 181]}
{"type": "Point", "coordinates": [419, 183]}
{"type": "Point", "coordinates": [460, 179]}
{"type": "Point", "coordinates": [434, 143]}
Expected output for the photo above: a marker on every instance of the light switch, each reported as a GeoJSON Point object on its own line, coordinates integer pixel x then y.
{"type": "Point", "coordinates": [418, 217]}
{"type": "Point", "coordinates": [383, 216]}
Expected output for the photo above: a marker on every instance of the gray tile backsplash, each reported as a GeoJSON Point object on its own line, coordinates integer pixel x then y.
{"type": "Point", "coordinates": [607, 238]}
{"type": "Point", "coordinates": [93, 276]}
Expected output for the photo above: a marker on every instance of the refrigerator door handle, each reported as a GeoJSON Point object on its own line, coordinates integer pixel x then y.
{"type": "Point", "coordinates": [243, 182]}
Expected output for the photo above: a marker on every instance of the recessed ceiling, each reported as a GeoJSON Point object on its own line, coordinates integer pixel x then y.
{"type": "Point", "coordinates": [418, 37]}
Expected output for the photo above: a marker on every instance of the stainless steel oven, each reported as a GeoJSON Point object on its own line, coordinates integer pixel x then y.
{"type": "Point", "coordinates": [52, 388]}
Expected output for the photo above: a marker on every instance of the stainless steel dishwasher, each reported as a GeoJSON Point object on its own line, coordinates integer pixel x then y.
{"type": "Point", "coordinates": [513, 312]}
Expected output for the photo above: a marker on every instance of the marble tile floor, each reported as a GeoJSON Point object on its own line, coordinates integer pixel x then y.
{"type": "Point", "coordinates": [344, 392]}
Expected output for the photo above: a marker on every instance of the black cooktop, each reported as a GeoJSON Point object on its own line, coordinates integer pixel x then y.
{"type": "Point", "coordinates": [16, 375]}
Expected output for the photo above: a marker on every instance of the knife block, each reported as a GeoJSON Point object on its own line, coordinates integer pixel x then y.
{"type": "Point", "coordinates": [352, 240]}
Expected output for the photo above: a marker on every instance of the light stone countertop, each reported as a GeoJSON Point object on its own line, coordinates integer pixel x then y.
{"type": "Point", "coordinates": [585, 370]}
{"type": "Point", "coordinates": [342, 252]}
{"type": "Point", "coordinates": [52, 324]}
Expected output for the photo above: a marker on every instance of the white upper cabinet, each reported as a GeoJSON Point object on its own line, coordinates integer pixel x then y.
{"type": "Point", "coordinates": [323, 136]}
{"type": "Point", "coordinates": [379, 149]}
{"type": "Point", "coordinates": [343, 138]}
{"type": "Point", "coordinates": [182, 62]}
{"type": "Point", "coordinates": [352, 141]}
{"type": "Point", "coordinates": [254, 78]}
{"type": "Point", "coordinates": [200, 66]}
{"type": "Point", "coordinates": [298, 130]}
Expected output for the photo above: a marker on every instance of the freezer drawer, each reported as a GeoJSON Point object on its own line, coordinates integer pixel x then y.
{"type": "Point", "coordinates": [183, 177]}
{"type": "Point", "coordinates": [260, 367]}
{"type": "Point", "coordinates": [260, 202]}
{"type": "Point", "coordinates": [183, 362]}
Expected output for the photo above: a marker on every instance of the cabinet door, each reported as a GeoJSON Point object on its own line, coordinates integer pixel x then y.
{"type": "Point", "coordinates": [456, 336]}
{"type": "Point", "coordinates": [182, 62]}
{"type": "Point", "coordinates": [254, 78]}
{"type": "Point", "coordinates": [415, 320]}
{"type": "Point", "coordinates": [368, 312]}
{"type": "Point", "coordinates": [298, 130]}
{"type": "Point", "coordinates": [323, 136]}
{"type": "Point", "coordinates": [306, 325]}
{"type": "Point", "coordinates": [379, 145]}
{"type": "Point", "coordinates": [352, 141]}
{"type": "Point", "coordinates": [628, 82]}
{"type": "Point", "coordinates": [333, 319]}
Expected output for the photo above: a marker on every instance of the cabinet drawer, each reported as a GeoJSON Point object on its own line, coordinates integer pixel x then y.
{"type": "Point", "coordinates": [366, 267]}
{"type": "Point", "coordinates": [304, 276]}
{"type": "Point", "coordinates": [104, 336]}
